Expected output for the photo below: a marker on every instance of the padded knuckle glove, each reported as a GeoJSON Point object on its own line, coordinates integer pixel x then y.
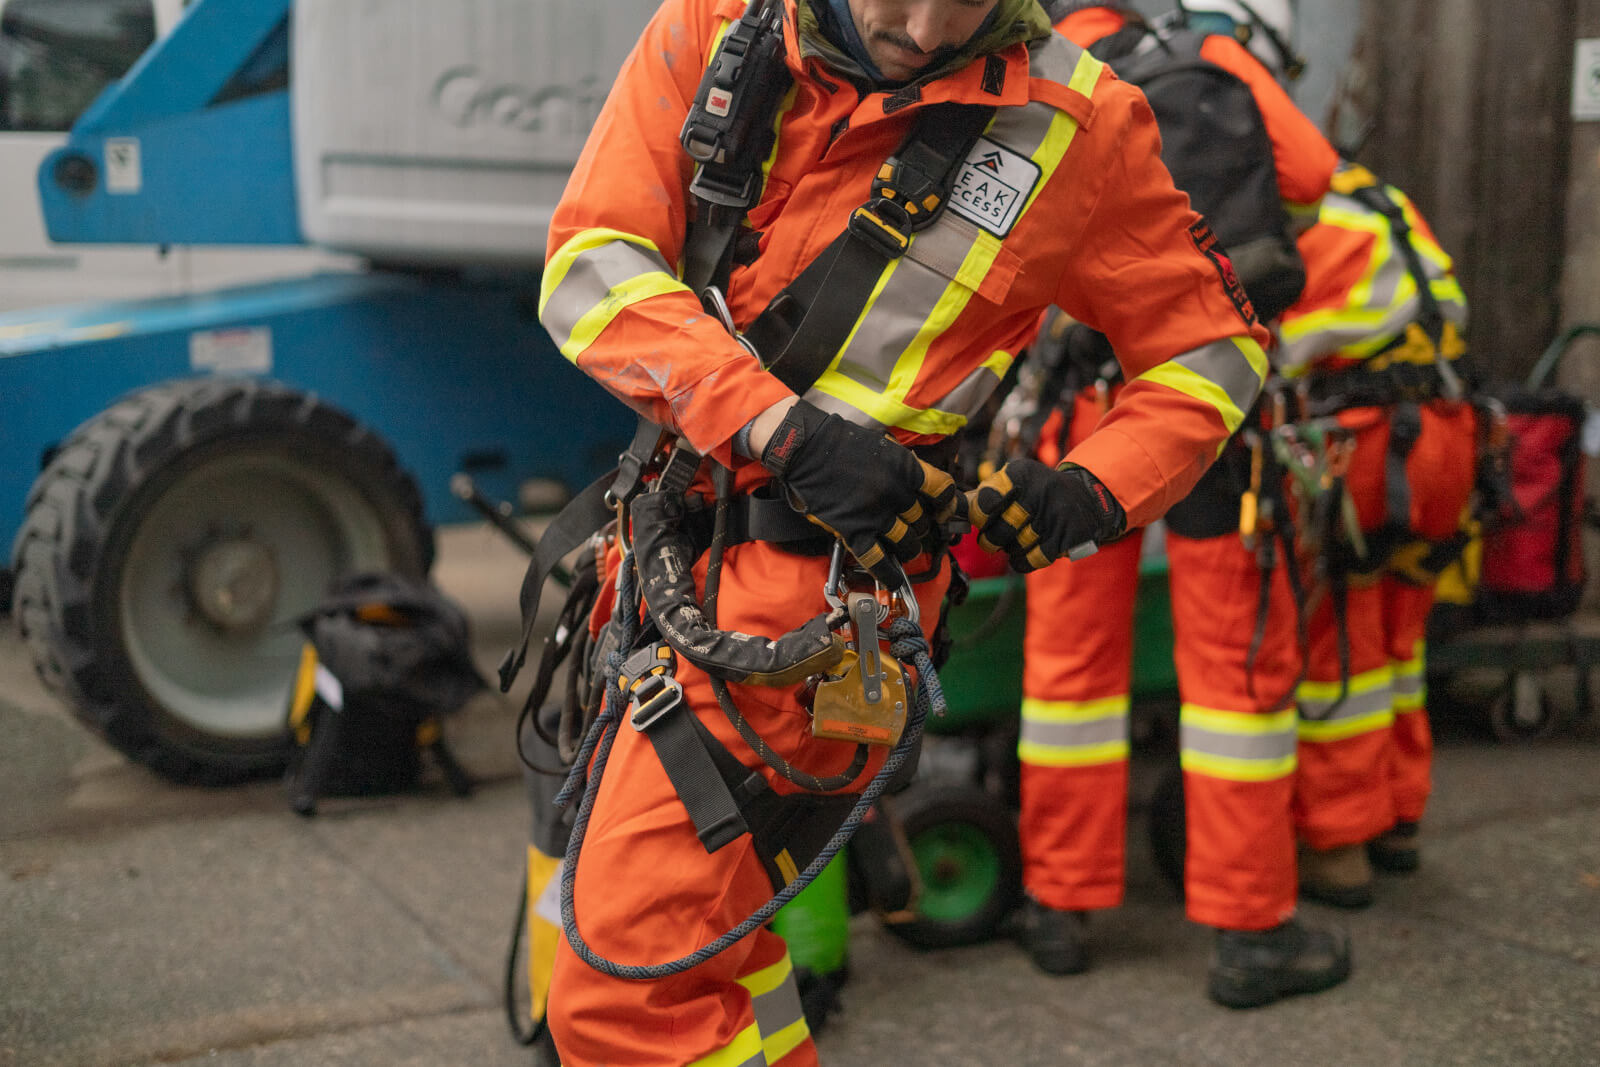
{"type": "Point", "coordinates": [1036, 514]}
{"type": "Point", "coordinates": [860, 486]}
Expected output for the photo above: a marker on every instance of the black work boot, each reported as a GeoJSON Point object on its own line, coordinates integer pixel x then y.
{"type": "Point", "coordinates": [1399, 850]}
{"type": "Point", "coordinates": [1056, 940]}
{"type": "Point", "coordinates": [1251, 968]}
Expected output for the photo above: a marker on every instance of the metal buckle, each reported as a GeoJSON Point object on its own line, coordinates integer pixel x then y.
{"type": "Point", "coordinates": [833, 591]}
{"type": "Point", "coordinates": [870, 226]}
{"type": "Point", "coordinates": [653, 696]}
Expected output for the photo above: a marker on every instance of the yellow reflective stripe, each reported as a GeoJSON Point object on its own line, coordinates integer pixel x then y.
{"type": "Point", "coordinates": [1340, 729]}
{"type": "Point", "coordinates": [1077, 756]}
{"type": "Point", "coordinates": [777, 1046]}
{"type": "Point", "coordinates": [743, 1050]}
{"type": "Point", "coordinates": [543, 935]}
{"type": "Point", "coordinates": [1365, 682]}
{"type": "Point", "coordinates": [618, 299]}
{"type": "Point", "coordinates": [555, 271]}
{"type": "Point", "coordinates": [764, 984]}
{"type": "Point", "coordinates": [1192, 384]}
{"type": "Point", "coordinates": [1075, 710]}
{"type": "Point", "coordinates": [768, 978]}
{"type": "Point", "coordinates": [1239, 723]}
{"type": "Point", "coordinates": [1232, 769]}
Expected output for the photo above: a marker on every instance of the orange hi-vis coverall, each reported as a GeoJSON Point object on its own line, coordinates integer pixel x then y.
{"type": "Point", "coordinates": [1237, 726]}
{"type": "Point", "coordinates": [1089, 221]}
{"type": "Point", "coordinates": [1365, 760]}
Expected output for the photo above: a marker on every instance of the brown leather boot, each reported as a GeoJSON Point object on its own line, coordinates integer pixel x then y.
{"type": "Point", "coordinates": [1340, 876]}
{"type": "Point", "coordinates": [1398, 850]}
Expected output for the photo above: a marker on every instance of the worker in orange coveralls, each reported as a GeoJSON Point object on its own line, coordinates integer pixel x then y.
{"type": "Point", "coordinates": [1237, 717]}
{"type": "Point", "coordinates": [1375, 336]}
{"type": "Point", "coordinates": [1084, 216]}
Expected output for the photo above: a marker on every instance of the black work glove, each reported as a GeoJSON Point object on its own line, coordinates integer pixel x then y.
{"type": "Point", "coordinates": [1036, 514]}
{"type": "Point", "coordinates": [860, 486]}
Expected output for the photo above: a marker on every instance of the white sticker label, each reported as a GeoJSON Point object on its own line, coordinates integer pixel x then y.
{"type": "Point", "coordinates": [992, 185]}
{"type": "Point", "coordinates": [719, 101]}
{"type": "Point", "coordinates": [245, 350]}
{"type": "Point", "coordinates": [123, 171]}
{"type": "Point", "coordinates": [1586, 80]}
{"type": "Point", "coordinates": [548, 906]}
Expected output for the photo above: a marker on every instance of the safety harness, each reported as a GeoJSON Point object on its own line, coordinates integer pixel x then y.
{"type": "Point", "coordinates": [644, 507]}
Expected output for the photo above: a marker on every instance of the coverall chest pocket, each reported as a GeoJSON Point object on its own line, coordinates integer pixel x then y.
{"type": "Point", "coordinates": [973, 258]}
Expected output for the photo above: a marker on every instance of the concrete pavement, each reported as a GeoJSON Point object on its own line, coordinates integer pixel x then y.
{"type": "Point", "coordinates": [145, 923]}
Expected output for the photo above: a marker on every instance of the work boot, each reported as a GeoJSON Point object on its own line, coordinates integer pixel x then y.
{"type": "Point", "coordinates": [1056, 940]}
{"type": "Point", "coordinates": [1251, 968]}
{"type": "Point", "coordinates": [1399, 850]}
{"type": "Point", "coordinates": [1337, 876]}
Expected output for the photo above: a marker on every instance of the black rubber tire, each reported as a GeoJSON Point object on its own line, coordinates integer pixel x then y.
{"type": "Point", "coordinates": [928, 810]}
{"type": "Point", "coordinates": [99, 501]}
{"type": "Point", "coordinates": [1522, 711]}
{"type": "Point", "coordinates": [1168, 826]}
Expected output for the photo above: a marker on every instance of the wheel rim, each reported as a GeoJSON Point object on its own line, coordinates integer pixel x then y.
{"type": "Point", "coordinates": [221, 563]}
{"type": "Point", "coordinates": [960, 871]}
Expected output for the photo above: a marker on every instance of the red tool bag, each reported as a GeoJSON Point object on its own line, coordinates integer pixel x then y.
{"type": "Point", "coordinates": [1533, 555]}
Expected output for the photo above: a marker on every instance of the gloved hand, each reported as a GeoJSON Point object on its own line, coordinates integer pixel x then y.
{"type": "Point", "coordinates": [1036, 515]}
{"type": "Point", "coordinates": [860, 486]}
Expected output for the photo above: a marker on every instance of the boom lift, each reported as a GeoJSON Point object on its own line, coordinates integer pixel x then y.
{"type": "Point", "coordinates": [181, 477]}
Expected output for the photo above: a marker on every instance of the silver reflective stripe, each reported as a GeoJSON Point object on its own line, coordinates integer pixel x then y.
{"type": "Point", "coordinates": [1223, 363]}
{"type": "Point", "coordinates": [920, 296]}
{"type": "Point", "coordinates": [1237, 746]}
{"type": "Point", "coordinates": [1054, 57]}
{"type": "Point", "coordinates": [1271, 746]}
{"type": "Point", "coordinates": [1410, 685]}
{"type": "Point", "coordinates": [779, 1010]}
{"type": "Point", "coordinates": [593, 275]}
{"type": "Point", "coordinates": [1356, 704]}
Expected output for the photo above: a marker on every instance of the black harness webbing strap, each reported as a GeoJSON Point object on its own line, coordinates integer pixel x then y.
{"type": "Point", "coordinates": [687, 752]}
{"type": "Point", "coordinates": [802, 329]}
{"type": "Point", "coordinates": [577, 522]}
{"type": "Point", "coordinates": [1374, 198]}
{"type": "Point", "coordinates": [1405, 427]}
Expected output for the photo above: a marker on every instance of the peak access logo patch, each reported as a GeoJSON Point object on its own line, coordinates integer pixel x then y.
{"type": "Point", "coordinates": [992, 185]}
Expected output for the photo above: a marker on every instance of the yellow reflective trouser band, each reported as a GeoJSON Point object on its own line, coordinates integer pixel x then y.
{"type": "Point", "coordinates": [1410, 682]}
{"type": "Point", "coordinates": [780, 1018]}
{"type": "Point", "coordinates": [1074, 733]}
{"type": "Point", "coordinates": [1367, 706]}
{"type": "Point", "coordinates": [305, 689]}
{"type": "Point", "coordinates": [543, 935]}
{"type": "Point", "coordinates": [1237, 746]}
{"type": "Point", "coordinates": [743, 1051]}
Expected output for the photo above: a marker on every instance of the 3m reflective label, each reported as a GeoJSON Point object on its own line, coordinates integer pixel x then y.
{"type": "Point", "coordinates": [246, 350]}
{"type": "Point", "coordinates": [992, 186]}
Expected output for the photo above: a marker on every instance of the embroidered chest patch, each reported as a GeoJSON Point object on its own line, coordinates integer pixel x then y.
{"type": "Point", "coordinates": [992, 185]}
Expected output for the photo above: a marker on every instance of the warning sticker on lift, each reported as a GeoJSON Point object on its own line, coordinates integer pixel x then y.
{"type": "Point", "coordinates": [992, 186]}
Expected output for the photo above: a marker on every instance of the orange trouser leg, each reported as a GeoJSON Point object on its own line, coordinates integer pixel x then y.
{"type": "Point", "coordinates": [648, 892]}
{"type": "Point", "coordinates": [1074, 741]}
{"type": "Point", "coordinates": [1406, 608]}
{"type": "Point", "coordinates": [1237, 738]}
{"type": "Point", "coordinates": [1342, 785]}
{"type": "Point", "coordinates": [1440, 469]}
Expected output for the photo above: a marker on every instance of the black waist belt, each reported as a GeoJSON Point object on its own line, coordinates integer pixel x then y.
{"type": "Point", "coordinates": [1357, 387]}
{"type": "Point", "coordinates": [758, 517]}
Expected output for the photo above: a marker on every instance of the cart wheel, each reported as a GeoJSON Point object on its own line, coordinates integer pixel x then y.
{"type": "Point", "coordinates": [1522, 711]}
{"type": "Point", "coordinates": [970, 859]}
{"type": "Point", "coordinates": [171, 540]}
{"type": "Point", "coordinates": [1168, 827]}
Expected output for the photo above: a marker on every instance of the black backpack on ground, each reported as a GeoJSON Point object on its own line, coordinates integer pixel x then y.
{"type": "Point", "coordinates": [386, 657]}
{"type": "Point", "coordinates": [1216, 145]}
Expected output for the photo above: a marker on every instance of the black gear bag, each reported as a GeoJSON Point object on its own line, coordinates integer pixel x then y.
{"type": "Point", "coordinates": [386, 657]}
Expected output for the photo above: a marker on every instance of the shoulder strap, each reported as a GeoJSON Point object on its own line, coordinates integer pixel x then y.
{"type": "Point", "coordinates": [802, 329]}
{"type": "Point", "coordinates": [728, 132]}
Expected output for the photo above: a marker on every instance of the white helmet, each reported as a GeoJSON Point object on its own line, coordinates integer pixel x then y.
{"type": "Point", "coordinates": [1266, 27]}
